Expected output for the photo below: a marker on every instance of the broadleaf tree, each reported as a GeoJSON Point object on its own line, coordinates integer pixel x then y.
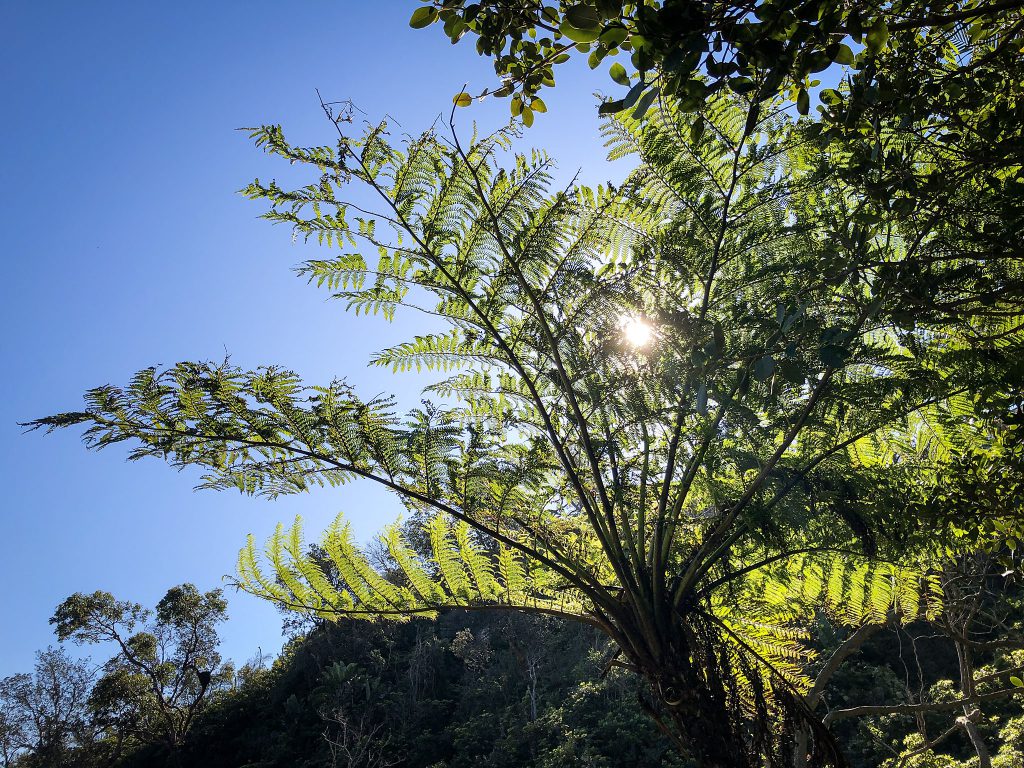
{"type": "Point", "coordinates": [165, 666]}
{"type": "Point", "coordinates": [45, 713]}
{"type": "Point", "coordinates": [906, 52]}
{"type": "Point", "coordinates": [694, 410]}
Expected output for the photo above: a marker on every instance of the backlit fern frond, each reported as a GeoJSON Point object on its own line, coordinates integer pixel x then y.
{"type": "Point", "coordinates": [853, 589]}
{"type": "Point", "coordinates": [471, 576]}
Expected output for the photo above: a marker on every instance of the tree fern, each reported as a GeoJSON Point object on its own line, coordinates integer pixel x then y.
{"type": "Point", "coordinates": [770, 455]}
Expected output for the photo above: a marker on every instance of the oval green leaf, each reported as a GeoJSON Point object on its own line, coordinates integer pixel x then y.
{"type": "Point", "coordinates": [844, 55]}
{"type": "Point", "coordinates": [764, 368]}
{"type": "Point", "coordinates": [696, 131]}
{"type": "Point", "coordinates": [741, 85]}
{"type": "Point", "coordinates": [877, 36]}
{"type": "Point", "coordinates": [854, 25]}
{"type": "Point", "coordinates": [611, 107]}
{"type": "Point", "coordinates": [579, 35]}
{"type": "Point", "coordinates": [423, 17]}
{"type": "Point", "coordinates": [618, 73]}
{"type": "Point", "coordinates": [614, 36]}
{"type": "Point", "coordinates": [803, 102]}
{"type": "Point", "coordinates": [702, 399]}
{"type": "Point", "coordinates": [832, 355]}
{"type": "Point", "coordinates": [583, 16]}
{"type": "Point", "coordinates": [645, 103]}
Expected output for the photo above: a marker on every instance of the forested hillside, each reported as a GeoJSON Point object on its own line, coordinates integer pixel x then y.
{"type": "Point", "coordinates": [497, 690]}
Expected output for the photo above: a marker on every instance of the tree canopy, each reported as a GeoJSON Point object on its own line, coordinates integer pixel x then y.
{"type": "Point", "coordinates": [165, 662]}
{"type": "Point", "coordinates": [905, 52]}
{"type": "Point", "coordinates": [45, 712]}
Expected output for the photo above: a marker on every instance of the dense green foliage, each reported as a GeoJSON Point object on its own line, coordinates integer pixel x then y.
{"type": "Point", "coordinates": [502, 690]}
{"type": "Point", "coordinates": [905, 53]}
{"type": "Point", "coordinates": [461, 692]}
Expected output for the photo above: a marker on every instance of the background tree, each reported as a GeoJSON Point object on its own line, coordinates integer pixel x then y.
{"type": "Point", "coordinates": [45, 713]}
{"type": "Point", "coordinates": [167, 661]}
{"type": "Point", "coordinates": [977, 638]}
{"type": "Point", "coordinates": [665, 397]}
{"type": "Point", "coordinates": [434, 708]}
{"type": "Point", "coordinates": [12, 731]}
{"type": "Point", "coordinates": [355, 720]}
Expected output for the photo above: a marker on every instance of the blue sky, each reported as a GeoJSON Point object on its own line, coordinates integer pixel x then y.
{"type": "Point", "coordinates": [125, 245]}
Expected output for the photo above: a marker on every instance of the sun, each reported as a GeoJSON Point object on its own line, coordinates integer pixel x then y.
{"type": "Point", "coordinates": [637, 332]}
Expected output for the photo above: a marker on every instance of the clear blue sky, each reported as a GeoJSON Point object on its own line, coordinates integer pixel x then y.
{"type": "Point", "coordinates": [124, 244]}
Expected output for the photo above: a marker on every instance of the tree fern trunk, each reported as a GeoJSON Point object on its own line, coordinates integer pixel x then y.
{"type": "Point", "coordinates": [709, 734]}
{"type": "Point", "coordinates": [694, 711]}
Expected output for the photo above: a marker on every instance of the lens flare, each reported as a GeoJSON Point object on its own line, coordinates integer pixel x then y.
{"type": "Point", "coordinates": [637, 332]}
